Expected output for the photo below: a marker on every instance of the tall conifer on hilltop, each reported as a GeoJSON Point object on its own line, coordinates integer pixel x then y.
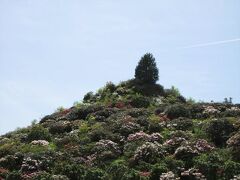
{"type": "Point", "coordinates": [146, 70]}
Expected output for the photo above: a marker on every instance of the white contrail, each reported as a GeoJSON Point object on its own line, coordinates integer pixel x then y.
{"type": "Point", "coordinates": [209, 43]}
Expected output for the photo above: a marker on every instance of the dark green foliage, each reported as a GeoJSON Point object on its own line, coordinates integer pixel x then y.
{"type": "Point", "coordinates": [157, 170]}
{"type": "Point", "coordinates": [139, 101]}
{"type": "Point", "coordinates": [182, 124]}
{"type": "Point", "coordinates": [38, 132]}
{"type": "Point", "coordinates": [83, 111]}
{"type": "Point", "coordinates": [146, 70]}
{"type": "Point", "coordinates": [60, 127]}
{"type": "Point", "coordinates": [12, 162]}
{"type": "Point", "coordinates": [72, 171]}
{"type": "Point", "coordinates": [14, 175]}
{"type": "Point", "coordinates": [149, 90]}
{"type": "Point", "coordinates": [219, 131]}
{"type": "Point", "coordinates": [88, 97]}
{"type": "Point", "coordinates": [231, 168]}
{"type": "Point", "coordinates": [210, 164]}
{"type": "Point", "coordinates": [94, 174]}
{"type": "Point", "coordinates": [131, 175]}
{"type": "Point", "coordinates": [44, 176]}
{"type": "Point", "coordinates": [110, 87]}
{"type": "Point", "coordinates": [117, 169]}
{"type": "Point", "coordinates": [176, 111]}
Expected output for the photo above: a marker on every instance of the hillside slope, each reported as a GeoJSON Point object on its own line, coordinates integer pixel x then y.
{"type": "Point", "coordinates": [127, 131]}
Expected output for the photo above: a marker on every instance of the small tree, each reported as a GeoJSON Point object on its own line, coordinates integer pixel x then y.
{"type": "Point", "coordinates": [146, 70]}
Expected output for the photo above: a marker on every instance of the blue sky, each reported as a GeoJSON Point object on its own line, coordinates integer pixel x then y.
{"type": "Point", "coordinates": [53, 52]}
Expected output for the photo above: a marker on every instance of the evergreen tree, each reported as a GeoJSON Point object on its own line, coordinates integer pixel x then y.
{"type": "Point", "coordinates": [146, 70]}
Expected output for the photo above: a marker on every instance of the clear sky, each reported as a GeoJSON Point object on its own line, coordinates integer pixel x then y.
{"type": "Point", "coordinates": [54, 51]}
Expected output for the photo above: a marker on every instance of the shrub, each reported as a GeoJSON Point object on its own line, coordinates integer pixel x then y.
{"type": "Point", "coordinates": [149, 152]}
{"type": "Point", "coordinates": [117, 169]}
{"type": "Point", "coordinates": [95, 174]}
{"type": "Point", "coordinates": [182, 124]}
{"type": "Point", "coordinates": [14, 175]}
{"type": "Point", "coordinates": [12, 162]}
{"type": "Point", "coordinates": [38, 132]}
{"type": "Point", "coordinates": [231, 168]}
{"type": "Point", "coordinates": [71, 170]}
{"type": "Point", "coordinates": [131, 174]}
{"type": "Point", "coordinates": [88, 97]}
{"type": "Point", "coordinates": [139, 101]}
{"type": "Point", "coordinates": [210, 164]}
{"type": "Point", "coordinates": [110, 87]}
{"type": "Point", "coordinates": [176, 111]}
{"type": "Point", "coordinates": [219, 131]}
{"type": "Point", "coordinates": [146, 70]}
{"type": "Point", "coordinates": [234, 143]}
{"type": "Point", "coordinates": [173, 164]}
{"type": "Point", "coordinates": [60, 127]}
{"type": "Point", "coordinates": [157, 170]}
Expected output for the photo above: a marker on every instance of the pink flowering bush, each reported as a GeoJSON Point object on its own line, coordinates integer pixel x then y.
{"type": "Point", "coordinates": [105, 149]}
{"type": "Point", "coordinates": [149, 152]}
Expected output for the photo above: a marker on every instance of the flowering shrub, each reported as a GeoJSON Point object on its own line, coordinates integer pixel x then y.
{"type": "Point", "coordinates": [40, 142]}
{"type": "Point", "coordinates": [185, 152]}
{"type": "Point", "coordinates": [172, 144]}
{"type": "Point", "coordinates": [210, 111]}
{"type": "Point", "coordinates": [182, 124]}
{"type": "Point", "coordinates": [129, 127]}
{"type": "Point", "coordinates": [219, 131]}
{"type": "Point", "coordinates": [149, 152]}
{"type": "Point", "coordinates": [30, 165]}
{"type": "Point", "coordinates": [145, 137]}
{"type": "Point", "coordinates": [38, 133]}
{"type": "Point", "coordinates": [234, 143]}
{"type": "Point", "coordinates": [12, 162]}
{"type": "Point", "coordinates": [169, 176]}
{"type": "Point", "coordinates": [203, 146]}
{"type": "Point", "coordinates": [176, 111]}
{"type": "Point", "coordinates": [106, 149]}
{"type": "Point", "coordinates": [60, 127]}
{"type": "Point", "coordinates": [192, 174]}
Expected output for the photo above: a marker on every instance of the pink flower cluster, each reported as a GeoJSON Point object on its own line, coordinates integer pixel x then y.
{"type": "Point", "coordinates": [203, 146]}
{"type": "Point", "coordinates": [107, 145]}
{"type": "Point", "coordinates": [149, 151]}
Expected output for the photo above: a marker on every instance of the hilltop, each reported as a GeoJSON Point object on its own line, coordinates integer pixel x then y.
{"type": "Point", "coordinates": [134, 130]}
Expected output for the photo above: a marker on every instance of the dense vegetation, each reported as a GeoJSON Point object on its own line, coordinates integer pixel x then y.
{"type": "Point", "coordinates": [130, 131]}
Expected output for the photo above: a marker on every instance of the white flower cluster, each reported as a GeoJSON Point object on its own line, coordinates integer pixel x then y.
{"type": "Point", "coordinates": [107, 145]}
{"type": "Point", "coordinates": [144, 136]}
{"type": "Point", "coordinates": [210, 110]}
{"type": "Point", "coordinates": [149, 151]}
{"type": "Point", "coordinates": [40, 142]}
{"type": "Point", "coordinates": [185, 151]}
{"type": "Point", "coordinates": [192, 174]}
{"type": "Point", "coordinates": [169, 176]}
{"type": "Point", "coordinates": [29, 165]}
{"type": "Point", "coordinates": [234, 141]}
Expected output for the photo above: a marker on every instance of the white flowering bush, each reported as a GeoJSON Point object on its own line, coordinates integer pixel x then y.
{"type": "Point", "coordinates": [30, 165]}
{"type": "Point", "coordinates": [185, 152]}
{"type": "Point", "coordinates": [169, 176]}
{"type": "Point", "coordinates": [145, 137]}
{"type": "Point", "coordinates": [192, 174]}
{"type": "Point", "coordinates": [40, 142]}
{"type": "Point", "coordinates": [210, 110]}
